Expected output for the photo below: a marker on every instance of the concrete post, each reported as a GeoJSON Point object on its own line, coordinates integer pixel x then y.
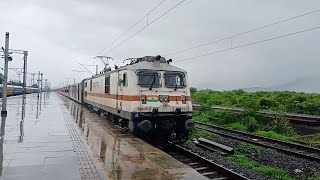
{"type": "Point", "coordinates": [5, 77]}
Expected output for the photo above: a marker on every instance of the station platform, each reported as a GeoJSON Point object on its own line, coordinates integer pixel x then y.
{"type": "Point", "coordinates": [52, 137]}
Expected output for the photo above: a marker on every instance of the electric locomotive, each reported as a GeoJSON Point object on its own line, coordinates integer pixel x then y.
{"type": "Point", "coordinates": [149, 97]}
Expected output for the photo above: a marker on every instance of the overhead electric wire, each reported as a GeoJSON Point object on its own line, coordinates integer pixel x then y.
{"type": "Point", "coordinates": [145, 27]}
{"type": "Point", "coordinates": [132, 26]}
{"type": "Point", "coordinates": [250, 44]}
{"type": "Point", "coordinates": [242, 33]}
{"type": "Point", "coordinates": [129, 29]}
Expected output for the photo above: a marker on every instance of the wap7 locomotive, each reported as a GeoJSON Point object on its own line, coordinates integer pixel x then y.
{"type": "Point", "coordinates": [148, 97]}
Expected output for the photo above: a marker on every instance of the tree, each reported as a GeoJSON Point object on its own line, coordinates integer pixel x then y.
{"type": "Point", "coordinates": [193, 90]}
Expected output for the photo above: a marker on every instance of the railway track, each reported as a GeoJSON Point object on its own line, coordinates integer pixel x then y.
{"type": "Point", "coordinates": [206, 167]}
{"type": "Point", "coordinates": [301, 118]}
{"type": "Point", "coordinates": [294, 149]}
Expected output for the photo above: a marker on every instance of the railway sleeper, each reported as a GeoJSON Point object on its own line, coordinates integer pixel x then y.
{"type": "Point", "coordinates": [220, 178]}
{"type": "Point", "coordinates": [193, 163]}
{"type": "Point", "coordinates": [210, 173]}
{"type": "Point", "coordinates": [201, 169]}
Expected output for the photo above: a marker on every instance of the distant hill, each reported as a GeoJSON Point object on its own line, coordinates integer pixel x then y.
{"type": "Point", "coordinates": [306, 84]}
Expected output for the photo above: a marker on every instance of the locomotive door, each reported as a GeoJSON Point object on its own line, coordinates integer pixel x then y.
{"type": "Point", "coordinates": [119, 93]}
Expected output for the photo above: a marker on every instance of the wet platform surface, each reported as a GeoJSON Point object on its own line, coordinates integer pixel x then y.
{"type": "Point", "coordinates": [53, 137]}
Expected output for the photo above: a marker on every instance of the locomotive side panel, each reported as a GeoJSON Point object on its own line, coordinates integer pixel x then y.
{"type": "Point", "coordinates": [101, 92]}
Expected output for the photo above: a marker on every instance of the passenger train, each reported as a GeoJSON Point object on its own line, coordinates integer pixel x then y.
{"type": "Point", "coordinates": [17, 90]}
{"type": "Point", "coordinates": [148, 97]}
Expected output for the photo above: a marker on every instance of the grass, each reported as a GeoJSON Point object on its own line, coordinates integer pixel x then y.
{"type": "Point", "coordinates": [236, 126]}
{"type": "Point", "coordinates": [311, 140]}
{"type": "Point", "coordinates": [196, 133]}
{"type": "Point", "coordinates": [316, 176]}
{"type": "Point", "coordinates": [270, 172]}
{"type": "Point", "coordinates": [273, 135]}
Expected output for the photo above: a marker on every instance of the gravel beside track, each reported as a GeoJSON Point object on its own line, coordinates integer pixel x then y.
{"type": "Point", "coordinates": [289, 148]}
{"type": "Point", "coordinates": [222, 161]}
{"type": "Point", "coordinates": [297, 167]}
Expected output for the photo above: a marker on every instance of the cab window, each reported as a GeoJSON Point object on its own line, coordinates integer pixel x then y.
{"type": "Point", "coordinates": [149, 79]}
{"type": "Point", "coordinates": [174, 79]}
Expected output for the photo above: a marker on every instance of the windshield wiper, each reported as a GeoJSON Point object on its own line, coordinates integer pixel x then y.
{"type": "Point", "coordinates": [175, 89]}
{"type": "Point", "coordinates": [154, 80]}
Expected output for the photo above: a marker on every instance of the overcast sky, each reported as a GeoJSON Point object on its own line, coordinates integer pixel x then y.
{"type": "Point", "coordinates": [59, 34]}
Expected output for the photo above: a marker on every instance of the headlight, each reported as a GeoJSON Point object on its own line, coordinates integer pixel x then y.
{"type": "Point", "coordinates": [183, 99]}
{"type": "Point", "coordinates": [164, 98]}
{"type": "Point", "coordinates": [143, 99]}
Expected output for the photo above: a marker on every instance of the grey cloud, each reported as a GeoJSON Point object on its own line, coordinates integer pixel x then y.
{"type": "Point", "coordinates": [61, 33]}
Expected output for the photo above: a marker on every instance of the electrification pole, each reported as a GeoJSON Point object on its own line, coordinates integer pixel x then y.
{"type": "Point", "coordinates": [41, 81]}
{"type": "Point", "coordinates": [38, 82]}
{"type": "Point", "coordinates": [46, 85]}
{"type": "Point", "coordinates": [32, 80]}
{"type": "Point", "coordinates": [5, 77]}
{"type": "Point", "coordinates": [25, 56]}
{"type": "Point", "coordinates": [19, 74]}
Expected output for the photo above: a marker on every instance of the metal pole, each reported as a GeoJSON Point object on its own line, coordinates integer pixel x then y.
{"type": "Point", "coordinates": [96, 69]}
{"type": "Point", "coordinates": [19, 77]}
{"type": "Point", "coordinates": [25, 56]}
{"type": "Point", "coordinates": [5, 77]}
{"type": "Point", "coordinates": [38, 83]}
{"type": "Point", "coordinates": [32, 80]}
{"type": "Point", "coordinates": [41, 81]}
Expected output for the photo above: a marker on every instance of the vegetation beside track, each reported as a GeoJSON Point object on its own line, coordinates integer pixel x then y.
{"type": "Point", "coordinates": [270, 172]}
{"type": "Point", "coordinates": [311, 140]}
{"type": "Point", "coordinates": [286, 101]}
{"type": "Point", "coordinates": [248, 121]}
{"type": "Point", "coordinates": [251, 121]}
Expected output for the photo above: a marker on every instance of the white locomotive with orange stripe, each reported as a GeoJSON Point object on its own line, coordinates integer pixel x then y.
{"type": "Point", "coordinates": [149, 97]}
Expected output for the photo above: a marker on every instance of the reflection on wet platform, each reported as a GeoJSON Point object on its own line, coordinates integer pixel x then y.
{"type": "Point", "coordinates": [34, 142]}
{"type": "Point", "coordinates": [123, 155]}
{"type": "Point", "coordinates": [48, 136]}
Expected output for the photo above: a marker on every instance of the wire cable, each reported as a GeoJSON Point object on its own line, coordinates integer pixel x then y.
{"type": "Point", "coordinates": [242, 33]}
{"type": "Point", "coordinates": [145, 27]}
{"type": "Point", "coordinates": [250, 44]}
{"type": "Point", "coordinates": [131, 27]}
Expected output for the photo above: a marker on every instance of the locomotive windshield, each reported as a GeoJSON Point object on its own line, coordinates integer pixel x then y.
{"type": "Point", "coordinates": [149, 79]}
{"type": "Point", "coordinates": [174, 79]}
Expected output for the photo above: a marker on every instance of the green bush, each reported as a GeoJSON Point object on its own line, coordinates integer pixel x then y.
{"type": "Point", "coordinates": [251, 123]}
{"type": "Point", "coordinates": [288, 101]}
{"type": "Point", "coordinates": [282, 126]}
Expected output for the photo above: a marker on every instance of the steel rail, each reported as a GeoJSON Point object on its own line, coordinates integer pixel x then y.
{"type": "Point", "coordinates": [222, 172]}
{"type": "Point", "coordinates": [305, 118]}
{"type": "Point", "coordinates": [295, 149]}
